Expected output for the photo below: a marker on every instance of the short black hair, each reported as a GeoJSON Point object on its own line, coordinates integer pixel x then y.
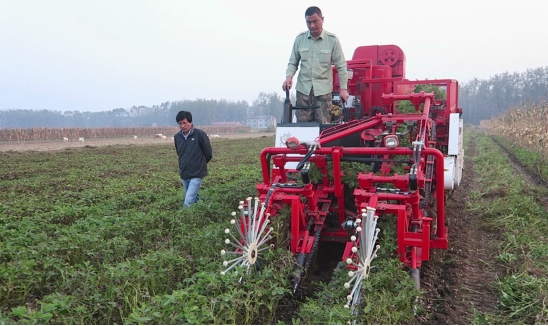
{"type": "Point", "coordinates": [313, 10]}
{"type": "Point", "coordinates": [184, 115]}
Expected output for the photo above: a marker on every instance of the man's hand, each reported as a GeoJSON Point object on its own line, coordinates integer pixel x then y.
{"type": "Point", "coordinates": [288, 83]}
{"type": "Point", "coordinates": [343, 94]}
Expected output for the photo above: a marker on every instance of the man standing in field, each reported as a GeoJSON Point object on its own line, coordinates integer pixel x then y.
{"type": "Point", "coordinates": [194, 152]}
{"type": "Point", "coordinates": [316, 49]}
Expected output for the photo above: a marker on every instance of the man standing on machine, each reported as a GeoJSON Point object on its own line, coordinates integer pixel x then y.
{"type": "Point", "coordinates": [315, 50]}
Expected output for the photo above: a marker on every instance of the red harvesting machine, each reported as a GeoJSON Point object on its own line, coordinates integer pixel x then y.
{"type": "Point", "coordinates": [405, 139]}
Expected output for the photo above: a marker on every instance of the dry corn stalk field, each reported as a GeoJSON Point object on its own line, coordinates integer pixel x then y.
{"type": "Point", "coordinates": [526, 126]}
{"type": "Point", "coordinates": [37, 134]}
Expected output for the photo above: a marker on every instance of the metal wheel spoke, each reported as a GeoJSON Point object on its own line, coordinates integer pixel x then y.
{"type": "Point", "coordinates": [252, 227]}
{"type": "Point", "coordinates": [365, 250]}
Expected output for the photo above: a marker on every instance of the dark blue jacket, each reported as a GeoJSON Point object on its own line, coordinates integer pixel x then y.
{"type": "Point", "coordinates": [194, 153]}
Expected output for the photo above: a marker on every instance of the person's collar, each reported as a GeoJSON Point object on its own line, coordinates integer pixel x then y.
{"type": "Point", "coordinates": [321, 36]}
{"type": "Point", "coordinates": [189, 132]}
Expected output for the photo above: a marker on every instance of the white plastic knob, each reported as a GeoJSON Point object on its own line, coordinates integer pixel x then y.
{"type": "Point", "coordinates": [349, 261]}
{"type": "Point", "coordinates": [233, 221]}
{"type": "Point", "coordinates": [225, 263]}
{"type": "Point", "coordinates": [227, 231]}
{"type": "Point", "coordinates": [347, 285]}
{"type": "Point", "coordinates": [350, 273]}
{"type": "Point", "coordinates": [353, 238]}
{"type": "Point", "coordinates": [227, 241]}
{"type": "Point", "coordinates": [223, 252]}
{"type": "Point", "coordinates": [359, 229]}
{"type": "Point", "coordinates": [354, 249]}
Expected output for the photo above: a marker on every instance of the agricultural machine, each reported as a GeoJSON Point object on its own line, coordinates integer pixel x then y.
{"type": "Point", "coordinates": [407, 137]}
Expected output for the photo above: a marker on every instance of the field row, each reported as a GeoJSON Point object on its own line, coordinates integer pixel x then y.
{"type": "Point", "coordinates": [36, 134]}
{"type": "Point", "coordinates": [98, 235]}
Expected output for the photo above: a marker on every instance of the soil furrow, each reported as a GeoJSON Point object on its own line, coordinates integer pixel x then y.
{"type": "Point", "coordinates": [457, 282]}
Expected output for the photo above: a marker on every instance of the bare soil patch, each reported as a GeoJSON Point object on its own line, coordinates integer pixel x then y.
{"type": "Point", "coordinates": [55, 145]}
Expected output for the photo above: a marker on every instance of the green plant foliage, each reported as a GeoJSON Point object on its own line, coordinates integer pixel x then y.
{"type": "Point", "coordinates": [92, 235]}
{"type": "Point", "coordinates": [439, 94]}
{"type": "Point", "coordinates": [510, 204]}
{"type": "Point", "coordinates": [388, 293]}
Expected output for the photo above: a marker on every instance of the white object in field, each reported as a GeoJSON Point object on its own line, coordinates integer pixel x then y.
{"type": "Point", "coordinates": [305, 132]}
{"type": "Point", "coordinates": [454, 162]}
{"type": "Point", "coordinates": [350, 102]}
{"type": "Point", "coordinates": [365, 249]}
{"type": "Point", "coordinates": [449, 172]}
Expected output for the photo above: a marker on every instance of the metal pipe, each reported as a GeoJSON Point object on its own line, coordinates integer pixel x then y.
{"type": "Point", "coordinates": [440, 192]}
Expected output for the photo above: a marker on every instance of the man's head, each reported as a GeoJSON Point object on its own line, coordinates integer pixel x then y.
{"type": "Point", "coordinates": [314, 21]}
{"type": "Point", "coordinates": [184, 119]}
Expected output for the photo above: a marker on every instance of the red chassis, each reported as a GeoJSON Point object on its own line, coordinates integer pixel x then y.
{"type": "Point", "coordinates": [310, 203]}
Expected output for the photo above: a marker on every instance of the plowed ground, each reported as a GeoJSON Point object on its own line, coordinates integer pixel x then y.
{"type": "Point", "coordinates": [456, 282]}
{"type": "Point", "coordinates": [18, 146]}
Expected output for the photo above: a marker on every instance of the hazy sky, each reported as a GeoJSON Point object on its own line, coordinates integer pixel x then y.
{"type": "Point", "coordinates": [98, 55]}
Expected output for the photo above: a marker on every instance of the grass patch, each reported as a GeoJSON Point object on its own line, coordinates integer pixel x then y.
{"type": "Point", "coordinates": [98, 235]}
{"type": "Point", "coordinates": [508, 204]}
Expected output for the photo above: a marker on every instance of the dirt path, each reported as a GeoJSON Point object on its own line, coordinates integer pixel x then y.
{"type": "Point", "coordinates": [458, 281]}
{"type": "Point", "coordinates": [21, 146]}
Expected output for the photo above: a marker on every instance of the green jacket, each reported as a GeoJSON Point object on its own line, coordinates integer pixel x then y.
{"type": "Point", "coordinates": [316, 57]}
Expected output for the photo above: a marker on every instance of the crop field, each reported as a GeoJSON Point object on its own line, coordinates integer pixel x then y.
{"type": "Point", "coordinates": [98, 235]}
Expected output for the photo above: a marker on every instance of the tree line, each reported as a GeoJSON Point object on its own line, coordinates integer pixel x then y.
{"type": "Point", "coordinates": [484, 99]}
{"type": "Point", "coordinates": [204, 112]}
{"type": "Point", "coordinates": [480, 99]}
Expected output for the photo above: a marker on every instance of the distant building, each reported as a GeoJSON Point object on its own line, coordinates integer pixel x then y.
{"type": "Point", "coordinates": [228, 124]}
{"type": "Point", "coordinates": [261, 121]}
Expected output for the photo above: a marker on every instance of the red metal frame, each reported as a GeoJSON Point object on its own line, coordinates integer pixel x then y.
{"type": "Point", "coordinates": [378, 81]}
{"type": "Point", "coordinates": [407, 210]}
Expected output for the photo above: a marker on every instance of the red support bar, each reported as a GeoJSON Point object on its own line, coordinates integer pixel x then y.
{"type": "Point", "coordinates": [440, 192]}
{"type": "Point", "coordinates": [337, 172]}
{"type": "Point", "coordinates": [402, 229]}
{"type": "Point", "coordinates": [426, 238]}
{"type": "Point", "coordinates": [296, 222]}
